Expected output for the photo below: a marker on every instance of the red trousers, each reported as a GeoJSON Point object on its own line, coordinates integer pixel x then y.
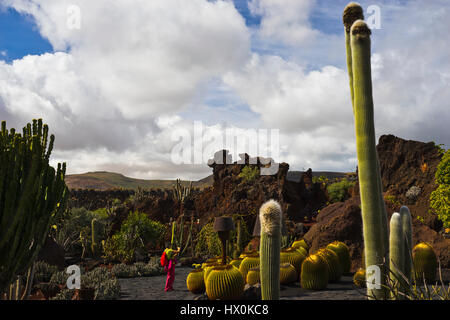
{"type": "Point", "coordinates": [170, 269]}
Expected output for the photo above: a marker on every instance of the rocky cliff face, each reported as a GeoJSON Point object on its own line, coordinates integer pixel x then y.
{"type": "Point", "coordinates": [404, 164]}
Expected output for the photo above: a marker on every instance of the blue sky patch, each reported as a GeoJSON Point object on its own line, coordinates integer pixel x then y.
{"type": "Point", "coordinates": [19, 36]}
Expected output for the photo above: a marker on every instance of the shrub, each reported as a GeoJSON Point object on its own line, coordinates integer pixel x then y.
{"type": "Point", "coordinates": [339, 191]}
{"type": "Point", "coordinates": [136, 232]}
{"type": "Point", "coordinates": [248, 174]}
{"type": "Point", "coordinates": [440, 198]}
{"type": "Point", "coordinates": [208, 242]}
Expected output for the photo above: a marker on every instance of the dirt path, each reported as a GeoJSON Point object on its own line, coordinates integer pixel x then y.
{"type": "Point", "coordinates": [152, 288]}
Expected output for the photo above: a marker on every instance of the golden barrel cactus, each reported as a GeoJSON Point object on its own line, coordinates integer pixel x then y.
{"type": "Point", "coordinates": [300, 244]}
{"type": "Point", "coordinates": [236, 262]}
{"type": "Point", "coordinates": [425, 263]}
{"type": "Point", "coordinates": [343, 253]}
{"type": "Point", "coordinates": [225, 282]}
{"type": "Point", "coordinates": [288, 274]}
{"type": "Point", "coordinates": [251, 261]}
{"type": "Point", "coordinates": [359, 278]}
{"type": "Point", "coordinates": [253, 276]}
{"type": "Point", "coordinates": [333, 263]}
{"type": "Point", "coordinates": [195, 282]}
{"type": "Point", "coordinates": [294, 257]}
{"type": "Point", "coordinates": [314, 274]}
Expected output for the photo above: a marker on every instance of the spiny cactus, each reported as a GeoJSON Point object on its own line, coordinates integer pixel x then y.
{"type": "Point", "coordinates": [195, 281]}
{"type": "Point", "coordinates": [94, 243]}
{"type": "Point", "coordinates": [301, 244]}
{"type": "Point", "coordinates": [288, 274]}
{"type": "Point", "coordinates": [254, 277]}
{"type": "Point", "coordinates": [373, 210]}
{"type": "Point", "coordinates": [425, 263]}
{"type": "Point", "coordinates": [294, 257]}
{"type": "Point", "coordinates": [225, 282]}
{"type": "Point", "coordinates": [236, 262]}
{"type": "Point", "coordinates": [250, 261]}
{"type": "Point", "coordinates": [333, 264]}
{"type": "Point", "coordinates": [397, 247]}
{"type": "Point", "coordinates": [407, 238]}
{"type": "Point", "coordinates": [343, 254]}
{"type": "Point", "coordinates": [359, 278]}
{"type": "Point", "coordinates": [314, 274]}
{"type": "Point", "coordinates": [270, 245]}
{"type": "Point", "coordinates": [32, 193]}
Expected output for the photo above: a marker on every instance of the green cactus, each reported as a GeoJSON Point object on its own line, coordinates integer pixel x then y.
{"type": "Point", "coordinates": [225, 282]}
{"type": "Point", "coordinates": [301, 244]}
{"type": "Point", "coordinates": [397, 248]}
{"type": "Point", "coordinates": [359, 278]}
{"type": "Point", "coordinates": [32, 195]}
{"type": "Point", "coordinates": [333, 263]}
{"type": "Point", "coordinates": [425, 263]}
{"type": "Point", "coordinates": [236, 262]}
{"type": "Point", "coordinates": [254, 277]}
{"type": "Point", "coordinates": [195, 281]}
{"type": "Point", "coordinates": [94, 244]}
{"type": "Point", "coordinates": [288, 274]}
{"type": "Point", "coordinates": [343, 254]}
{"type": "Point", "coordinates": [270, 245]}
{"type": "Point", "coordinates": [407, 238]}
{"type": "Point", "coordinates": [250, 261]}
{"type": "Point", "coordinates": [314, 274]}
{"type": "Point", "coordinates": [373, 210]}
{"type": "Point", "coordinates": [294, 257]}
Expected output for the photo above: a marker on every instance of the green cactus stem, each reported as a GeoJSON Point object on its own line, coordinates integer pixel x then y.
{"type": "Point", "coordinates": [374, 228]}
{"type": "Point", "coordinates": [270, 245]}
{"type": "Point", "coordinates": [397, 248]}
{"type": "Point", "coordinates": [94, 244]}
{"type": "Point", "coordinates": [32, 193]}
{"type": "Point", "coordinates": [407, 234]}
{"type": "Point", "coordinates": [352, 12]}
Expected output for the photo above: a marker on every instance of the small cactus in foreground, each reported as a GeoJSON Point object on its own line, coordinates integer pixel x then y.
{"type": "Point", "coordinates": [270, 217]}
{"type": "Point", "coordinates": [314, 274]}
{"type": "Point", "coordinates": [294, 257]}
{"type": "Point", "coordinates": [225, 282]}
{"type": "Point", "coordinates": [425, 263]}
{"type": "Point", "coordinates": [359, 278]}
{"type": "Point", "coordinates": [254, 276]}
{"type": "Point", "coordinates": [195, 282]}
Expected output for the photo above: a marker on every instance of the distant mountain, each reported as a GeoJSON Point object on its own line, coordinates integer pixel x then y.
{"type": "Point", "coordinates": [102, 180]}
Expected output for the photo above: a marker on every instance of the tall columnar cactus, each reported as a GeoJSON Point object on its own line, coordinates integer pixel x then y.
{"type": "Point", "coordinates": [407, 238]}
{"type": "Point", "coordinates": [31, 194]}
{"type": "Point", "coordinates": [270, 246]}
{"type": "Point", "coordinates": [397, 248]}
{"type": "Point", "coordinates": [373, 211]}
{"type": "Point", "coordinates": [94, 243]}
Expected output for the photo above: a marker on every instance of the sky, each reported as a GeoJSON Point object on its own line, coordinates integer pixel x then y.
{"type": "Point", "coordinates": [123, 84]}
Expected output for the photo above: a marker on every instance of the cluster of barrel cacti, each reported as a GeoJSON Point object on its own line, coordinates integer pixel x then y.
{"type": "Point", "coordinates": [32, 193]}
{"type": "Point", "coordinates": [325, 266]}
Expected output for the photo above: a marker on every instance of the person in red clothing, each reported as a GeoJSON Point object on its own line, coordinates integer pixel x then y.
{"type": "Point", "coordinates": [171, 256]}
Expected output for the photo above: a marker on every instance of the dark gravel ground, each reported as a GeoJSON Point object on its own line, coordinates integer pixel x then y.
{"type": "Point", "coordinates": [152, 288]}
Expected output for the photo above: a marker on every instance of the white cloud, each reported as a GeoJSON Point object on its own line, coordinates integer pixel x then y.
{"type": "Point", "coordinates": [137, 70]}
